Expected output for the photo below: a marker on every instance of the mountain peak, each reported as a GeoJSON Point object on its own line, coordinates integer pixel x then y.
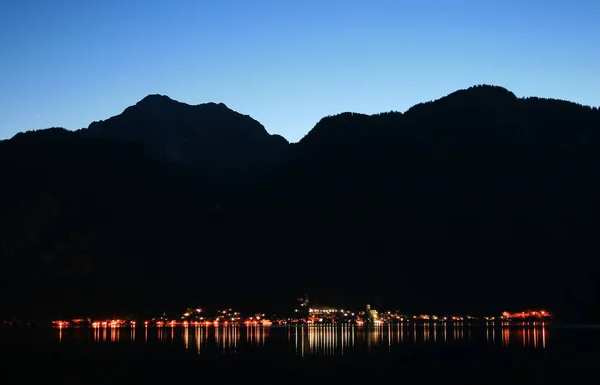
{"type": "Point", "coordinates": [208, 134]}
{"type": "Point", "coordinates": [156, 99]}
{"type": "Point", "coordinates": [159, 100]}
{"type": "Point", "coordinates": [489, 90]}
{"type": "Point", "coordinates": [472, 97]}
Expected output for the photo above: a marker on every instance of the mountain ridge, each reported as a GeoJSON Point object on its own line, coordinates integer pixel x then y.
{"type": "Point", "coordinates": [498, 90]}
{"type": "Point", "coordinates": [343, 214]}
{"type": "Point", "coordinates": [209, 134]}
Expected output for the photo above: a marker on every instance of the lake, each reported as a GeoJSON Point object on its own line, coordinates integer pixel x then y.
{"type": "Point", "coordinates": [348, 354]}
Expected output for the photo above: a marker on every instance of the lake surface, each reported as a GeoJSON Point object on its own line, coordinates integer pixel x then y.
{"type": "Point", "coordinates": [330, 354]}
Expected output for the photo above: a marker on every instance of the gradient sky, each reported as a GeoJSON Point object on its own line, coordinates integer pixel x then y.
{"type": "Point", "coordinates": [285, 63]}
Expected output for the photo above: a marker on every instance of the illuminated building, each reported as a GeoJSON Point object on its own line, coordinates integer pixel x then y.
{"type": "Point", "coordinates": [526, 315]}
{"type": "Point", "coordinates": [328, 315]}
{"type": "Point", "coordinates": [371, 315]}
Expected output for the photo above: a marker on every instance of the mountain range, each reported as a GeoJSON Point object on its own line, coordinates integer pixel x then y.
{"type": "Point", "coordinates": [478, 202]}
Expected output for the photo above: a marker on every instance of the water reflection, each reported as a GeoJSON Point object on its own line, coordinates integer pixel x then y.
{"type": "Point", "coordinates": [316, 340]}
{"type": "Point", "coordinates": [344, 339]}
{"type": "Point", "coordinates": [256, 334]}
{"type": "Point", "coordinates": [532, 334]}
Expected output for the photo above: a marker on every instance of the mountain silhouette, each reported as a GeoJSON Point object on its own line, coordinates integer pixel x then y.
{"type": "Point", "coordinates": [207, 135]}
{"type": "Point", "coordinates": [479, 201]}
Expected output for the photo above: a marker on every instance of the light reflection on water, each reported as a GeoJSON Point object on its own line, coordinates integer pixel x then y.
{"type": "Point", "coordinates": [317, 340]}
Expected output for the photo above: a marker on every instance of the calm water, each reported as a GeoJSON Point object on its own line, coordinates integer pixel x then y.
{"type": "Point", "coordinates": [319, 354]}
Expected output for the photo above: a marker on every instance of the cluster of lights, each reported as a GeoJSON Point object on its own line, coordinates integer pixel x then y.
{"type": "Point", "coordinates": [324, 311]}
{"type": "Point", "coordinates": [195, 317]}
{"type": "Point", "coordinates": [113, 323]}
{"type": "Point", "coordinates": [536, 314]}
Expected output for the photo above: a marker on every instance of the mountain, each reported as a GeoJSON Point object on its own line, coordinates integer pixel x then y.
{"type": "Point", "coordinates": [207, 135]}
{"type": "Point", "coordinates": [473, 151]}
{"type": "Point", "coordinates": [479, 201]}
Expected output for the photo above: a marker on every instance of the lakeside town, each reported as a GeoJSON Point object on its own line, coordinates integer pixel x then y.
{"type": "Point", "coordinates": [303, 314]}
{"type": "Point", "coordinates": [229, 317]}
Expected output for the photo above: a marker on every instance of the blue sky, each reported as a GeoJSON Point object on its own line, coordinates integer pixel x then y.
{"type": "Point", "coordinates": [285, 63]}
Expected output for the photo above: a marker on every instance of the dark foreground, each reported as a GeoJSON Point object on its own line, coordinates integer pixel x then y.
{"type": "Point", "coordinates": [333, 355]}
